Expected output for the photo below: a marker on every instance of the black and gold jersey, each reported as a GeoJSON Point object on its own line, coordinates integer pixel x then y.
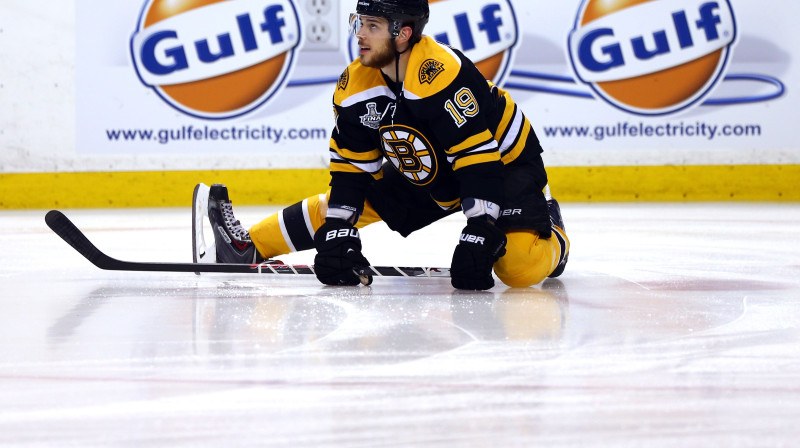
{"type": "Point", "coordinates": [446, 129]}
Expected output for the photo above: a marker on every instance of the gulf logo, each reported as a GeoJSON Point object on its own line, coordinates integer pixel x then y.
{"type": "Point", "coordinates": [486, 31]}
{"type": "Point", "coordinates": [652, 57]}
{"type": "Point", "coordinates": [216, 59]}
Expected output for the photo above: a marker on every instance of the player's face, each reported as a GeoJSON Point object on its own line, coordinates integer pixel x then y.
{"type": "Point", "coordinates": [374, 41]}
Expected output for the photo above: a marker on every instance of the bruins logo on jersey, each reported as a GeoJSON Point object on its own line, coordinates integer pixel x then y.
{"type": "Point", "coordinates": [344, 79]}
{"type": "Point", "coordinates": [410, 153]}
{"type": "Point", "coordinates": [429, 70]}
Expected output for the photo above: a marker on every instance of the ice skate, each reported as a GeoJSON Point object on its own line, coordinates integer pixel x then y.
{"type": "Point", "coordinates": [201, 253]}
{"type": "Point", "coordinates": [231, 240]}
{"type": "Point", "coordinates": [558, 232]}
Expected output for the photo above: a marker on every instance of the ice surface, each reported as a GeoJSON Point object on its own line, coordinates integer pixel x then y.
{"type": "Point", "coordinates": [673, 325]}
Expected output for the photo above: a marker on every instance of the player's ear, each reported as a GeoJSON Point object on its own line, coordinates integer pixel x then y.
{"type": "Point", "coordinates": [405, 34]}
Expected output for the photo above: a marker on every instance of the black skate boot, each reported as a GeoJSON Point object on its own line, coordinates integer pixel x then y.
{"type": "Point", "coordinates": [557, 221]}
{"type": "Point", "coordinates": [233, 244]}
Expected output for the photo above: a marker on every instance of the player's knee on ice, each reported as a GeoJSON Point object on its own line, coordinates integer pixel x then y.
{"type": "Point", "coordinates": [529, 259]}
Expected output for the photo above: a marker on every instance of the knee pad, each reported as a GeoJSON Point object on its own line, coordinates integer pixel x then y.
{"type": "Point", "coordinates": [268, 238]}
{"type": "Point", "coordinates": [528, 259]}
{"type": "Point", "coordinates": [292, 229]}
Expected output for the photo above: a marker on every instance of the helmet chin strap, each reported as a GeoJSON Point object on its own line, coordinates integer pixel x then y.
{"type": "Point", "coordinates": [399, 93]}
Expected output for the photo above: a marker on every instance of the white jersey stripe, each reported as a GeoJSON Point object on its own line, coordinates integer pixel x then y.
{"type": "Point", "coordinates": [285, 232]}
{"type": "Point", "coordinates": [368, 95]}
{"type": "Point", "coordinates": [513, 131]}
{"type": "Point", "coordinates": [307, 218]}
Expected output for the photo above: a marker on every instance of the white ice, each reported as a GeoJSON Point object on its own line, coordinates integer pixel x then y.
{"type": "Point", "coordinates": [673, 325]}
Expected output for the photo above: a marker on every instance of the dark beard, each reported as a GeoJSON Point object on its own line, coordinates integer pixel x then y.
{"type": "Point", "coordinates": [380, 58]}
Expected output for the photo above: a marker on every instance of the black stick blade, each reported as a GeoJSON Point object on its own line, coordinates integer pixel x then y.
{"type": "Point", "coordinates": [70, 233]}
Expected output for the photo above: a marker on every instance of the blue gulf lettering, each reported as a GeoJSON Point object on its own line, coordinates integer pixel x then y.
{"type": "Point", "coordinates": [709, 21]}
{"type": "Point", "coordinates": [614, 52]}
{"type": "Point", "coordinates": [491, 23]}
{"type": "Point", "coordinates": [682, 28]}
{"type": "Point", "coordinates": [246, 30]}
{"type": "Point", "coordinates": [176, 54]}
{"type": "Point", "coordinates": [273, 24]}
{"type": "Point", "coordinates": [205, 54]}
{"type": "Point", "coordinates": [642, 52]}
{"type": "Point", "coordinates": [464, 32]}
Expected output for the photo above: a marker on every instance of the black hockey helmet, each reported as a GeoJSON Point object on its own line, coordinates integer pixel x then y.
{"type": "Point", "coordinates": [399, 13]}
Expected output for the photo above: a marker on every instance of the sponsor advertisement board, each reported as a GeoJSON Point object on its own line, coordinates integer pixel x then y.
{"type": "Point", "coordinates": [603, 81]}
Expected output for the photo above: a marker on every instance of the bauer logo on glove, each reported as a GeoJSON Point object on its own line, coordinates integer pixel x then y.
{"type": "Point", "coordinates": [481, 244]}
{"type": "Point", "coordinates": [467, 238]}
{"type": "Point", "coordinates": [341, 233]}
{"type": "Point", "coordinates": [339, 260]}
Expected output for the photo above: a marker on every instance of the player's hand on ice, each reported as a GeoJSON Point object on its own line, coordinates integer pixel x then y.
{"type": "Point", "coordinates": [339, 259]}
{"type": "Point", "coordinates": [481, 244]}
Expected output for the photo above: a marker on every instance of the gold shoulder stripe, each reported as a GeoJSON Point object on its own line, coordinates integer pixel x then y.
{"type": "Point", "coordinates": [367, 156]}
{"type": "Point", "coordinates": [431, 68]}
{"type": "Point", "coordinates": [475, 159]}
{"type": "Point", "coordinates": [471, 142]}
{"type": "Point", "coordinates": [508, 115]}
{"type": "Point", "coordinates": [511, 155]}
{"type": "Point", "coordinates": [344, 167]}
{"type": "Point", "coordinates": [448, 205]}
{"type": "Point", "coordinates": [358, 79]}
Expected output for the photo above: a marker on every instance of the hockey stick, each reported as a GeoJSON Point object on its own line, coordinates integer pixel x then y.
{"type": "Point", "coordinates": [64, 228]}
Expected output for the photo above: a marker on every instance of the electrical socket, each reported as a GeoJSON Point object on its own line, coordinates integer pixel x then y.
{"type": "Point", "coordinates": [318, 33]}
{"type": "Point", "coordinates": [319, 7]}
{"type": "Point", "coordinates": [322, 25]}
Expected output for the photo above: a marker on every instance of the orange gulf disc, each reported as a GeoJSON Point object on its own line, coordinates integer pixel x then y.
{"type": "Point", "coordinates": [488, 67]}
{"type": "Point", "coordinates": [230, 91]}
{"type": "Point", "coordinates": [491, 66]}
{"type": "Point", "coordinates": [660, 89]}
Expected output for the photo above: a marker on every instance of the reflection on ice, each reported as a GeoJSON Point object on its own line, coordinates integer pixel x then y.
{"type": "Point", "coordinates": [672, 326]}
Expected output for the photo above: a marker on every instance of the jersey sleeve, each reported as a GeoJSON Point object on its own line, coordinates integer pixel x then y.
{"type": "Point", "coordinates": [354, 163]}
{"type": "Point", "coordinates": [348, 152]}
{"type": "Point", "coordinates": [355, 158]}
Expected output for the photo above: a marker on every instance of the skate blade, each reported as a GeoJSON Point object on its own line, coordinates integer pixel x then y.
{"type": "Point", "coordinates": [201, 253]}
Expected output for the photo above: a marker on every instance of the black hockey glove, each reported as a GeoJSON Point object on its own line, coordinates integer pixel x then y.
{"type": "Point", "coordinates": [339, 259]}
{"type": "Point", "coordinates": [480, 246]}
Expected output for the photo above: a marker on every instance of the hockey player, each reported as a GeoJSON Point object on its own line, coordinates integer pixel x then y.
{"type": "Point", "coordinates": [419, 134]}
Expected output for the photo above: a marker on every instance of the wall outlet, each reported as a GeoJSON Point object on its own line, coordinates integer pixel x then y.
{"type": "Point", "coordinates": [321, 25]}
{"type": "Point", "coordinates": [319, 7]}
{"type": "Point", "coordinates": [318, 33]}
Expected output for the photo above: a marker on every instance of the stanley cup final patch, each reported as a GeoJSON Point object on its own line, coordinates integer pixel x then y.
{"type": "Point", "coordinates": [373, 118]}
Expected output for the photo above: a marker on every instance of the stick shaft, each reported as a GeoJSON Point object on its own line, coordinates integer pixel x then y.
{"type": "Point", "coordinates": [70, 233]}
